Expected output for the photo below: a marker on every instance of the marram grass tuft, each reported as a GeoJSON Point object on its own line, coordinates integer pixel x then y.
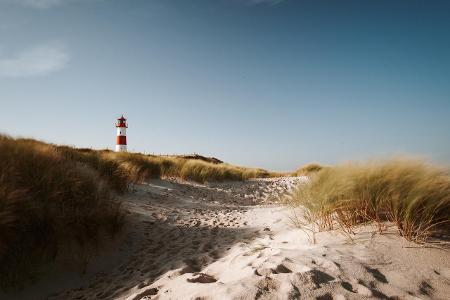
{"type": "Point", "coordinates": [413, 195]}
{"type": "Point", "coordinates": [46, 202]}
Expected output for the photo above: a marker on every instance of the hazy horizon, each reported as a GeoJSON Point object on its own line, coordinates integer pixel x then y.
{"type": "Point", "coordinates": [264, 83]}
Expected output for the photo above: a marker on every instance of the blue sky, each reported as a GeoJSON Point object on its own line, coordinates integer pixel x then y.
{"type": "Point", "coordinates": [268, 83]}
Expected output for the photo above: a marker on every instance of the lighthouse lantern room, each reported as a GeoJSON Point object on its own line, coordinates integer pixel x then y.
{"type": "Point", "coordinates": [121, 139]}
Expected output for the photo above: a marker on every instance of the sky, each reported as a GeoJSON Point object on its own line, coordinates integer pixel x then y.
{"type": "Point", "coordinates": [264, 83]}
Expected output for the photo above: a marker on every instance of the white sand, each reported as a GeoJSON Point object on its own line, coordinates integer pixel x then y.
{"type": "Point", "coordinates": [233, 241]}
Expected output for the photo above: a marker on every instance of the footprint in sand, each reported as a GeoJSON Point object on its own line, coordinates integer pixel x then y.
{"type": "Point", "coordinates": [425, 288]}
{"type": "Point", "coordinates": [202, 278]}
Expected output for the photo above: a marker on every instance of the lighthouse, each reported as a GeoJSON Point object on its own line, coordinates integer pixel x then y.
{"type": "Point", "coordinates": [121, 139]}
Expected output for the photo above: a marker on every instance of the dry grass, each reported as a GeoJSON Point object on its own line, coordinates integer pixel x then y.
{"type": "Point", "coordinates": [121, 169]}
{"type": "Point", "coordinates": [108, 169]}
{"type": "Point", "coordinates": [411, 194]}
{"type": "Point", "coordinates": [308, 169]}
{"type": "Point", "coordinates": [46, 202]}
{"type": "Point", "coordinates": [139, 167]}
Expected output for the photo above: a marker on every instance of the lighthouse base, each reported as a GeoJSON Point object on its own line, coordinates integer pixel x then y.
{"type": "Point", "coordinates": [121, 148]}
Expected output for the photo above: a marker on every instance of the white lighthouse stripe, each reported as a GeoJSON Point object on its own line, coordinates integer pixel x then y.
{"type": "Point", "coordinates": [120, 148]}
{"type": "Point", "coordinates": [121, 131]}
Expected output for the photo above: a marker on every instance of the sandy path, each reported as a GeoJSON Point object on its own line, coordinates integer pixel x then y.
{"type": "Point", "coordinates": [176, 225]}
{"type": "Point", "coordinates": [233, 241]}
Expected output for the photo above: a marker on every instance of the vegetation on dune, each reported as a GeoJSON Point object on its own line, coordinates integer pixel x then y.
{"type": "Point", "coordinates": [201, 171]}
{"type": "Point", "coordinates": [411, 194]}
{"type": "Point", "coordinates": [201, 157]}
{"type": "Point", "coordinates": [48, 202]}
{"type": "Point", "coordinates": [307, 169]}
{"type": "Point", "coordinates": [106, 167]}
{"type": "Point", "coordinates": [121, 169]}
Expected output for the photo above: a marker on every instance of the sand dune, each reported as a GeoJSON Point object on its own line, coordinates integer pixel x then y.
{"type": "Point", "coordinates": [235, 241]}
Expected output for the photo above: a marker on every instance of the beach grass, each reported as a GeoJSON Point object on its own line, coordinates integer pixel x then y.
{"type": "Point", "coordinates": [308, 169]}
{"type": "Point", "coordinates": [123, 168]}
{"type": "Point", "coordinates": [47, 202]}
{"type": "Point", "coordinates": [413, 195]}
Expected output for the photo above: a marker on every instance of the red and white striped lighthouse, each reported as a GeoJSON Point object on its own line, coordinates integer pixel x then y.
{"type": "Point", "coordinates": [121, 139]}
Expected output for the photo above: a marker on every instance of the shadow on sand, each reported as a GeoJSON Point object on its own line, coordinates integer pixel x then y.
{"type": "Point", "coordinates": [156, 247]}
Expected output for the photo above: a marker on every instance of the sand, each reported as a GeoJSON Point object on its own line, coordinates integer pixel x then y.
{"type": "Point", "coordinates": [235, 240]}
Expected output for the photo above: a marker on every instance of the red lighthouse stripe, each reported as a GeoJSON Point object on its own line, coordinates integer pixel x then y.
{"type": "Point", "coordinates": [121, 140]}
